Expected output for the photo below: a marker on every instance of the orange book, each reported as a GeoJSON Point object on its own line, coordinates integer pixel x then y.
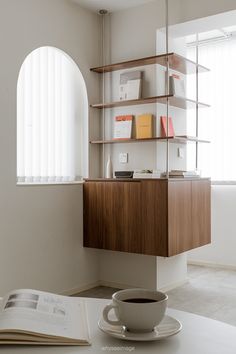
{"type": "Point", "coordinates": [164, 127]}
{"type": "Point", "coordinates": [144, 126]}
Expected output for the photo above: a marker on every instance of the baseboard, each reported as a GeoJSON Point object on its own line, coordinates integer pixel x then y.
{"type": "Point", "coordinates": [211, 264]}
{"type": "Point", "coordinates": [111, 284]}
{"type": "Point", "coordinates": [81, 288]}
{"type": "Point", "coordinates": [172, 286]}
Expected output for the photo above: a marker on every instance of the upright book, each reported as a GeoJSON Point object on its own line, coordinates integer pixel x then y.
{"type": "Point", "coordinates": [177, 85]}
{"type": "Point", "coordinates": [164, 127]}
{"type": "Point", "coordinates": [130, 85]}
{"type": "Point", "coordinates": [144, 126]}
{"type": "Point", "coordinates": [123, 127]}
{"type": "Point", "coordinates": [39, 318]}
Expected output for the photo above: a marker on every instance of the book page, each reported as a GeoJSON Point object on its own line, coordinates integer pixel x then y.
{"type": "Point", "coordinates": [44, 313]}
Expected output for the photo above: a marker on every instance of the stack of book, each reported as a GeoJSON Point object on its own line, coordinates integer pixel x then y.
{"type": "Point", "coordinates": [147, 174]}
{"type": "Point", "coordinates": [183, 174]}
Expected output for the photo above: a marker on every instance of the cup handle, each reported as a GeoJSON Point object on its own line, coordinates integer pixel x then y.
{"type": "Point", "coordinates": [106, 310]}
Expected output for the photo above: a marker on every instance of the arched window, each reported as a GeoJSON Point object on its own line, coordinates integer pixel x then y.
{"type": "Point", "coordinates": [52, 112]}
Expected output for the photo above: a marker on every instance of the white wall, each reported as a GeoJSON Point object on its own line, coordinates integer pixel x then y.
{"type": "Point", "coordinates": [222, 250]}
{"type": "Point", "coordinates": [41, 227]}
{"type": "Point", "coordinates": [122, 270]}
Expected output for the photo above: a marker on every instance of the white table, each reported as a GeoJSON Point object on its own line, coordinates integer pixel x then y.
{"type": "Point", "coordinates": [200, 335]}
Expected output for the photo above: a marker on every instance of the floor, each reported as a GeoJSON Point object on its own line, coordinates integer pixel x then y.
{"type": "Point", "coordinates": [209, 292]}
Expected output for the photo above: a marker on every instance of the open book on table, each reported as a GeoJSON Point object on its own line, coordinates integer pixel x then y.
{"type": "Point", "coordinates": [39, 318]}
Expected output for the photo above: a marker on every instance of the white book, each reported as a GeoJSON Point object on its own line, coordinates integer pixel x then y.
{"type": "Point", "coordinates": [177, 86]}
{"type": "Point", "coordinates": [123, 127]}
{"type": "Point", "coordinates": [130, 85]}
{"type": "Point", "coordinates": [40, 318]}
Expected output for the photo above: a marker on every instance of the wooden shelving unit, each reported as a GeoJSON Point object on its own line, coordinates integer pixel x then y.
{"type": "Point", "coordinates": [176, 62]}
{"type": "Point", "coordinates": [174, 101]}
{"type": "Point", "coordinates": [175, 140]}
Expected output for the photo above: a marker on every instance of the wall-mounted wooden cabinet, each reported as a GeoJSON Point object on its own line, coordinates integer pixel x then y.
{"type": "Point", "coordinates": [162, 217]}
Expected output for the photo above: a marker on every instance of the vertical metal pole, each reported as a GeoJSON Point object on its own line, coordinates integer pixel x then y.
{"type": "Point", "coordinates": [167, 88]}
{"type": "Point", "coordinates": [103, 14]}
{"type": "Point", "coordinates": [197, 97]}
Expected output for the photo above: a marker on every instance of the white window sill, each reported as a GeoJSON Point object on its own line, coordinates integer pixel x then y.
{"type": "Point", "coordinates": [223, 183]}
{"type": "Point", "coordinates": [46, 184]}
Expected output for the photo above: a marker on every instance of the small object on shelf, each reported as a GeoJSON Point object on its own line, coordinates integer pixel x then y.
{"type": "Point", "coordinates": [144, 126]}
{"type": "Point", "coordinates": [183, 174]}
{"type": "Point", "coordinates": [130, 85]}
{"type": "Point", "coordinates": [147, 174]}
{"type": "Point", "coordinates": [124, 174]}
{"type": "Point", "coordinates": [109, 168]}
{"type": "Point", "coordinates": [123, 127]}
{"type": "Point", "coordinates": [164, 127]}
{"type": "Point", "coordinates": [176, 85]}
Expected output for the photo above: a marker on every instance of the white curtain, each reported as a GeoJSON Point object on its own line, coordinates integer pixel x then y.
{"type": "Point", "coordinates": [47, 117]}
{"type": "Point", "coordinates": [218, 88]}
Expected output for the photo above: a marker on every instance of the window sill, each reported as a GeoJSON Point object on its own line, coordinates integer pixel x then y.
{"type": "Point", "coordinates": [46, 184]}
{"type": "Point", "coordinates": [223, 183]}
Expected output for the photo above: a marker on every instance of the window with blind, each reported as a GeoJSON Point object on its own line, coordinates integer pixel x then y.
{"type": "Point", "coordinates": [52, 114]}
{"type": "Point", "coordinates": [219, 122]}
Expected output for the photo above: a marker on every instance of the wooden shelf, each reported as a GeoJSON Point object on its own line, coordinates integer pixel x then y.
{"type": "Point", "coordinates": [174, 140]}
{"type": "Point", "coordinates": [174, 101]}
{"type": "Point", "coordinates": [176, 62]}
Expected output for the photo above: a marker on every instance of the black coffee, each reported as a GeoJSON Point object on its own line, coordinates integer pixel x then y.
{"type": "Point", "coordinates": [140, 300]}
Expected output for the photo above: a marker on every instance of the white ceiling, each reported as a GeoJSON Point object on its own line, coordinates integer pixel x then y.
{"type": "Point", "coordinates": [110, 5]}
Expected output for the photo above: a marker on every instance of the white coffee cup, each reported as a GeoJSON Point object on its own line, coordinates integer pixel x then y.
{"type": "Point", "coordinates": [139, 310]}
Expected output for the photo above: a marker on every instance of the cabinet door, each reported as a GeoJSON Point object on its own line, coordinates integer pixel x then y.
{"type": "Point", "coordinates": [155, 218]}
{"type": "Point", "coordinates": [112, 216]}
{"type": "Point", "coordinates": [201, 213]}
{"type": "Point", "coordinates": [93, 214]}
{"type": "Point", "coordinates": [179, 217]}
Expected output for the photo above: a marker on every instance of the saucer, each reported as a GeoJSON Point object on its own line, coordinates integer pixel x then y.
{"type": "Point", "coordinates": [166, 328]}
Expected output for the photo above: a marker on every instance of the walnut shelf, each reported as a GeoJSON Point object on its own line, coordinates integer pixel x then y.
{"type": "Point", "coordinates": [174, 101]}
{"type": "Point", "coordinates": [176, 62]}
{"type": "Point", "coordinates": [175, 140]}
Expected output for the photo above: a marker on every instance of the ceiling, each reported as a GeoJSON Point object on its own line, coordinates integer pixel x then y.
{"type": "Point", "coordinates": [110, 5]}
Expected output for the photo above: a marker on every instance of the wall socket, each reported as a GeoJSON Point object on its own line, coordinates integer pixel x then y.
{"type": "Point", "coordinates": [123, 157]}
{"type": "Point", "coordinates": [181, 153]}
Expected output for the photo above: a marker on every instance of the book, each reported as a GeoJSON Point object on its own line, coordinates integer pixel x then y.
{"type": "Point", "coordinates": [130, 85]}
{"type": "Point", "coordinates": [123, 127]}
{"type": "Point", "coordinates": [147, 174]}
{"type": "Point", "coordinates": [144, 126]}
{"type": "Point", "coordinates": [164, 127]}
{"type": "Point", "coordinates": [40, 318]}
{"type": "Point", "coordinates": [183, 174]}
{"type": "Point", "coordinates": [176, 85]}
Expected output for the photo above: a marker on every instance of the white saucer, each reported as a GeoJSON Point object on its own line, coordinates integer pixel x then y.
{"type": "Point", "coordinates": [168, 327]}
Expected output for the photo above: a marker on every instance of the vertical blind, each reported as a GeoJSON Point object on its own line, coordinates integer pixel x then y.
{"type": "Point", "coordinates": [218, 88]}
{"type": "Point", "coordinates": [46, 117]}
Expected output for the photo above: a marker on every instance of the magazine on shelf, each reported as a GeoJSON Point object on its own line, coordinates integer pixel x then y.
{"type": "Point", "coordinates": [164, 127]}
{"type": "Point", "coordinates": [123, 127]}
{"type": "Point", "coordinates": [40, 318]}
{"type": "Point", "coordinates": [130, 85]}
{"type": "Point", "coordinates": [177, 85]}
{"type": "Point", "coordinates": [144, 126]}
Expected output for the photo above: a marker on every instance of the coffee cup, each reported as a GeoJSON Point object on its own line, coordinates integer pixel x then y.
{"type": "Point", "coordinates": [139, 310]}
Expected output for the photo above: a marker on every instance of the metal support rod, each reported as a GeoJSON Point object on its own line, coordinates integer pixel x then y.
{"type": "Point", "coordinates": [167, 88]}
{"type": "Point", "coordinates": [197, 107]}
{"type": "Point", "coordinates": [103, 14]}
